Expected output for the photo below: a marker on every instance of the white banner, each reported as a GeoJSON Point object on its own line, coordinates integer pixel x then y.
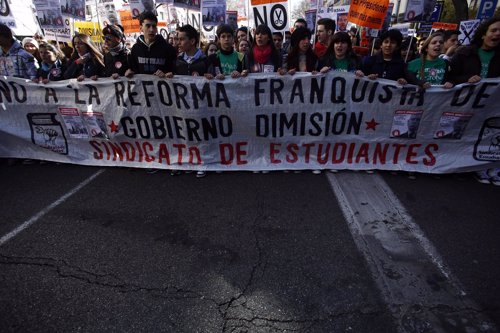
{"type": "Point", "coordinates": [262, 122]}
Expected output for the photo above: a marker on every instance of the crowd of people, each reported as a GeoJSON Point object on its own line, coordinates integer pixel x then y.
{"type": "Point", "coordinates": [437, 60]}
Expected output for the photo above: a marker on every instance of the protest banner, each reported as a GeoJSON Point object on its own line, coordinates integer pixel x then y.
{"type": "Point", "coordinates": [272, 13]}
{"type": "Point", "coordinates": [213, 12]}
{"type": "Point", "coordinates": [130, 24]}
{"type": "Point", "coordinates": [107, 13]}
{"type": "Point", "coordinates": [49, 13]}
{"type": "Point", "coordinates": [73, 8]}
{"type": "Point", "coordinates": [443, 26]}
{"type": "Point", "coordinates": [92, 29]}
{"type": "Point", "coordinates": [260, 122]}
{"type": "Point", "coordinates": [467, 30]}
{"type": "Point", "coordinates": [139, 6]}
{"type": "Point", "coordinates": [368, 13]}
{"type": "Point", "coordinates": [419, 10]}
{"type": "Point", "coordinates": [63, 34]}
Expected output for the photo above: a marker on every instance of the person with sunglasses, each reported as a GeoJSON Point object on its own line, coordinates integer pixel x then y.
{"type": "Point", "coordinates": [116, 60]}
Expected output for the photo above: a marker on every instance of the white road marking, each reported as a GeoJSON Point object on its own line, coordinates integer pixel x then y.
{"type": "Point", "coordinates": [47, 209]}
{"type": "Point", "coordinates": [420, 291]}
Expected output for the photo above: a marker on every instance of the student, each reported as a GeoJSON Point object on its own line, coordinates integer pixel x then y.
{"type": "Point", "coordinates": [430, 67]}
{"type": "Point", "coordinates": [86, 61]}
{"type": "Point", "coordinates": [263, 56]}
{"type": "Point", "coordinates": [53, 64]}
{"type": "Point", "coordinates": [116, 60]}
{"type": "Point", "coordinates": [450, 43]}
{"type": "Point", "coordinates": [243, 46]}
{"type": "Point", "coordinates": [226, 61]}
{"type": "Point", "coordinates": [151, 54]}
{"type": "Point", "coordinates": [388, 64]}
{"type": "Point", "coordinates": [340, 56]}
{"type": "Point", "coordinates": [278, 44]}
{"type": "Point", "coordinates": [480, 60]}
{"type": "Point", "coordinates": [31, 45]}
{"type": "Point", "coordinates": [324, 32]}
{"type": "Point", "coordinates": [301, 57]}
{"type": "Point", "coordinates": [14, 60]}
{"type": "Point", "coordinates": [191, 60]}
{"type": "Point", "coordinates": [211, 48]}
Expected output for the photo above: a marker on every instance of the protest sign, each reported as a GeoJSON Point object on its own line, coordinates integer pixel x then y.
{"type": "Point", "coordinates": [213, 12]}
{"type": "Point", "coordinates": [49, 13]}
{"type": "Point", "coordinates": [92, 29]}
{"type": "Point", "coordinates": [73, 8]}
{"type": "Point", "coordinates": [261, 122]}
{"type": "Point", "coordinates": [272, 13]}
{"type": "Point", "coordinates": [467, 30]}
{"type": "Point", "coordinates": [368, 13]}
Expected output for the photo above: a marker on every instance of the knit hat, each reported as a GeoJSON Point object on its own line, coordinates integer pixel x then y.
{"type": "Point", "coordinates": [113, 30]}
{"type": "Point", "coordinates": [31, 41]}
{"type": "Point", "coordinates": [298, 35]}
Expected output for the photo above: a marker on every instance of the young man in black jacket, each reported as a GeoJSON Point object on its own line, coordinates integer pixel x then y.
{"type": "Point", "coordinates": [191, 60]}
{"type": "Point", "coordinates": [116, 60]}
{"type": "Point", "coordinates": [151, 54]}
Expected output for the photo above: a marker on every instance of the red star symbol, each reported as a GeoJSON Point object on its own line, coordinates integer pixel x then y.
{"type": "Point", "coordinates": [372, 124]}
{"type": "Point", "coordinates": [113, 127]}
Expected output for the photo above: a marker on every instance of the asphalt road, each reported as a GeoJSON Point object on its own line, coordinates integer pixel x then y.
{"type": "Point", "coordinates": [234, 252]}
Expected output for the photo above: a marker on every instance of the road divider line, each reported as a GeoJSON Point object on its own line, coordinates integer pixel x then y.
{"type": "Point", "coordinates": [419, 290]}
{"type": "Point", "coordinates": [48, 208]}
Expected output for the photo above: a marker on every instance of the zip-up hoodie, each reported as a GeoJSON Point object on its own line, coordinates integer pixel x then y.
{"type": "Point", "coordinates": [17, 62]}
{"type": "Point", "coordinates": [146, 59]}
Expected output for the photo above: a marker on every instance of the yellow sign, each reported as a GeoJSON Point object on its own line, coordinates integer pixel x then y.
{"type": "Point", "coordinates": [92, 29]}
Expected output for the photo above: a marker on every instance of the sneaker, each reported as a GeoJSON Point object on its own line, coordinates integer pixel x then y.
{"type": "Point", "coordinates": [333, 170]}
{"type": "Point", "coordinates": [482, 177]}
{"type": "Point", "coordinates": [297, 171]}
{"type": "Point", "coordinates": [494, 176]}
{"type": "Point", "coordinates": [412, 175]}
{"type": "Point", "coordinates": [370, 172]}
{"type": "Point", "coordinates": [152, 171]}
{"type": "Point", "coordinates": [175, 172]}
{"type": "Point", "coordinates": [316, 172]}
{"type": "Point", "coordinates": [265, 171]}
{"type": "Point", "coordinates": [200, 174]}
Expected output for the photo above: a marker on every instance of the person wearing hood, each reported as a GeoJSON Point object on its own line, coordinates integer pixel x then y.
{"type": "Point", "coordinates": [116, 60]}
{"type": "Point", "coordinates": [151, 54]}
{"type": "Point", "coordinates": [14, 60]}
{"type": "Point", "coordinates": [32, 46]}
{"type": "Point", "coordinates": [191, 60]}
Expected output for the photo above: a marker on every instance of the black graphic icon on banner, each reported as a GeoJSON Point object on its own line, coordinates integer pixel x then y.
{"type": "Point", "coordinates": [47, 132]}
{"type": "Point", "coordinates": [487, 147]}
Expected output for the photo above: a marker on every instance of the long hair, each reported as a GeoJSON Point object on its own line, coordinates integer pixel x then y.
{"type": "Point", "coordinates": [85, 39]}
{"type": "Point", "coordinates": [294, 53]}
{"type": "Point", "coordinates": [264, 29]}
{"type": "Point", "coordinates": [340, 37]}
{"type": "Point", "coordinates": [481, 31]}
{"type": "Point", "coordinates": [423, 51]}
{"type": "Point", "coordinates": [59, 55]}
